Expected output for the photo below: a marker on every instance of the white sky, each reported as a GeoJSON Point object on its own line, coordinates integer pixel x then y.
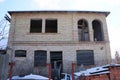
{"type": "Point", "coordinates": [1, 0]}
{"type": "Point", "coordinates": [113, 6]}
{"type": "Point", "coordinates": [77, 4]}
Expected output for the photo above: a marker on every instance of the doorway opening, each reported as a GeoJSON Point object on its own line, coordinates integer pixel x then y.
{"type": "Point", "coordinates": [56, 64]}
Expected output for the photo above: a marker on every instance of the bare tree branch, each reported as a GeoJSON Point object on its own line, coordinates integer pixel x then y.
{"type": "Point", "coordinates": [117, 57]}
{"type": "Point", "coordinates": [4, 24]}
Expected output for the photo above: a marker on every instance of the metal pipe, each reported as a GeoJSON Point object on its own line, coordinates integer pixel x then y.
{"type": "Point", "coordinates": [11, 68]}
{"type": "Point", "coordinates": [73, 64]}
{"type": "Point", "coordinates": [49, 70]}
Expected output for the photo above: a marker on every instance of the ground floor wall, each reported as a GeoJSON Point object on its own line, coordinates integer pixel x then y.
{"type": "Point", "coordinates": [25, 65]}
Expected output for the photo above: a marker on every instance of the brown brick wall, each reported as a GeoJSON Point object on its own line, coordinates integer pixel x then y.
{"type": "Point", "coordinates": [114, 75]}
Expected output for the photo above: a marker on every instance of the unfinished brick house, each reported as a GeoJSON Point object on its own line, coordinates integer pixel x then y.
{"type": "Point", "coordinates": [58, 37]}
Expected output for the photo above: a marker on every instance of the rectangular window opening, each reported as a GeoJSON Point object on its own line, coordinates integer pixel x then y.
{"type": "Point", "coordinates": [20, 53]}
{"type": "Point", "coordinates": [51, 26]}
{"type": "Point", "coordinates": [85, 57]}
{"type": "Point", "coordinates": [40, 58]}
{"type": "Point", "coordinates": [36, 26]}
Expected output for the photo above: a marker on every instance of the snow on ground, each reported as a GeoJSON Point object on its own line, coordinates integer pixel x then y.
{"type": "Point", "coordinates": [31, 76]}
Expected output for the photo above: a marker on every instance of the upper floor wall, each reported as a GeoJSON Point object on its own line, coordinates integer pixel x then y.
{"type": "Point", "coordinates": [58, 26]}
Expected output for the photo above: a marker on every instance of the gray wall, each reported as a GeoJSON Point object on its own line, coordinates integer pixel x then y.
{"type": "Point", "coordinates": [4, 66]}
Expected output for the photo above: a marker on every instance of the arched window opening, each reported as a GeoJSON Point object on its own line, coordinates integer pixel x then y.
{"type": "Point", "coordinates": [97, 31]}
{"type": "Point", "coordinates": [83, 31]}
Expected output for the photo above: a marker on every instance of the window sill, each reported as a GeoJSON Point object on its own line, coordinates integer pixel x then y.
{"type": "Point", "coordinates": [42, 33]}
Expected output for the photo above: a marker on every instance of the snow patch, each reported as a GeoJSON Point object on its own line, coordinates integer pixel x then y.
{"type": "Point", "coordinates": [31, 76]}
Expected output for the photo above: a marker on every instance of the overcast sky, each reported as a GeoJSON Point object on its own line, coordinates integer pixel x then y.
{"type": "Point", "coordinates": [113, 6]}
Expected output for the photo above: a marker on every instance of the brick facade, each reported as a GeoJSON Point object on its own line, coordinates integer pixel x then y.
{"type": "Point", "coordinates": [65, 40]}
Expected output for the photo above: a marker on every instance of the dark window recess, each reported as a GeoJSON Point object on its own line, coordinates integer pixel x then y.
{"type": "Point", "coordinates": [40, 58]}
{"type": "Point", "coordinates": [51, 26]}
{"type": "Point", "coordinates": [56, 56]}
{"type": "Point", "coordinates": [56, 64]}
{"type": "Point", "coordinates": [85, 57]}
{"type": "Point", "coordinates": [97, 29]}
{"type": "Point", "coordinates": [20, 53]}
{"type": "Point", "coordinates": [2, 51]}
{"type": "Point", "coordinates": [36, 26]}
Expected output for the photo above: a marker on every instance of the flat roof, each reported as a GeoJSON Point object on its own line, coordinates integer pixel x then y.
{"type": "Point", "coordinates": [106, 13]}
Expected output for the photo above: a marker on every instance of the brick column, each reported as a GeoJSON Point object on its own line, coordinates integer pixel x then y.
{"type": "Point", "coordinates": [91, 35]}
{"type": "Point", "coordinates": [43, 26]}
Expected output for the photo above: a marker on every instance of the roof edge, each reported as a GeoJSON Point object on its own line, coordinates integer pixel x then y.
{"type": "Point", "coordinates": [61, 11]}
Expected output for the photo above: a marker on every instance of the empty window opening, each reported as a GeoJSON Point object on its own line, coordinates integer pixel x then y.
{"type": "Point", "coordinates": [97, 30]}
{"type": "Point", "coordinates": [51, 26]}
{"type": "Point", "coordinates": [83, 31]}
{"type": "Point", "coordinates": [85, 57]}
{"type": "Point", "coordinates": [36, 26]}
{"type": "Point", "coordinates": [40, 58]}
{"type": "Point", "coordinates": [20, 53]}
